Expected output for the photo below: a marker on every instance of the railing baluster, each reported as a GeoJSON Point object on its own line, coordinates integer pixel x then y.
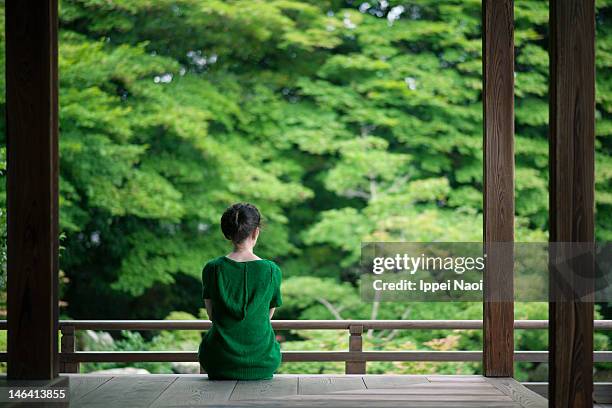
{"type": "Point", "coordinates": [355, 344]}
{"type": "Point", "coordinates": [68, 345]}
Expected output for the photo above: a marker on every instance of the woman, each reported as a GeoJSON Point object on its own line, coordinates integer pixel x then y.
{"type": "Point", "coordinates": [241, 292]}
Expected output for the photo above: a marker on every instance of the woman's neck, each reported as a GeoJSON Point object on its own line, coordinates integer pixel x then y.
{"type": "Point", "coordinates": [243, 254]}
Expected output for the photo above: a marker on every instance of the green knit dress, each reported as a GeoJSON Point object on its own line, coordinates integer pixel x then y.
{"type": "Point", "coordinates": [241, 345]}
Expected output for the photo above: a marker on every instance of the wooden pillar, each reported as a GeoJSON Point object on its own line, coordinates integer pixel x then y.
{"type": "Point", "coordinates": [32, 180]}
{"type": "Point", "coordinates": [498, 106]}
{"type": "Point", "coordinates": [572, 145]}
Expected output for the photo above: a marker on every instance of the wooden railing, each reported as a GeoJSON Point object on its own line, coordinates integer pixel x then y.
{"type": "Point", "coordinates": [355, 358]}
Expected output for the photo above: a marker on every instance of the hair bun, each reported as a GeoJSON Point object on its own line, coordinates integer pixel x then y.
{"type": "Point", "coordinates": [239, 221]}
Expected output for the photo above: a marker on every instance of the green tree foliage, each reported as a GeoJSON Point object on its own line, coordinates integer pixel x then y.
{"type": "Point", "coordinates": [343, 121]}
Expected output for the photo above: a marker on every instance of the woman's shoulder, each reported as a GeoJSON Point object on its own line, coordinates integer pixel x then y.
{"type": "Point", "coordinates": [264, 263]}
{"type": "Point", "coordinates": [213, 263]}
{"type": "Point", "coordinates": [268, 262]}
{"type": "Point", "coordinates": [273, 265]}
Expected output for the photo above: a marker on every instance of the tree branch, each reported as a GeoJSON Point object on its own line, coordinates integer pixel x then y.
{"type": "Point", "coordinates": [351, 193]}
{"type": "Point", "coordinates": [374, 313]}
{"type": "Point", "coordinates": [394, 332]}
{"type": "Point", "coordinates": [331, 308]}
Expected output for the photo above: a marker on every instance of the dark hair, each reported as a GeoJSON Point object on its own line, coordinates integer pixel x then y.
{"type": "Point", "coordinates": [239, 221]}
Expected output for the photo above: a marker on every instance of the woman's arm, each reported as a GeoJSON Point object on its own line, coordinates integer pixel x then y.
{"type": "Point", "coordinates": [277, 299]}
{"type": "Point", "coordinates": [208, 304]}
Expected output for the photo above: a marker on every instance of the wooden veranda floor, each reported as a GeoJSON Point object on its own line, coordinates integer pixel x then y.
{"type": "Point", "coordinates": [300, 391]}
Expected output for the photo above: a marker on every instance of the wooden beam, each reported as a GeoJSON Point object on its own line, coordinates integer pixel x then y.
{"type": "Point", "coordinates": [572, 151]}
{"type": "Point", "coordinates": [498, 106]}
{"type": "Point", "coordinates": [306, 324]}
{"type": "Point", "coordinates": [307, 356]}
{"type": "Point", "coordinates": [32, 180]}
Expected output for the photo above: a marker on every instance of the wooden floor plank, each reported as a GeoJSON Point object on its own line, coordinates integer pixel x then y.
{"type": "Point", "coordinates": [456, 378]}
{"type": "Point", "coordinates": [401, 397]}
{"type": "Point", "coordinates": [190, 391]}
{"type": "Point", "coordinates": [126, 391]}
{"type": "Point", "coordinates": [84, 384]}
{"type": "Point", "coordinates": [428, 389]}
{"type": "Point", "coordinates": [603, 393]}
{"type": "Point", "coordinates": [324, 385]}
{"type": "Point", "coordinates": [256, 390]}
{"type": "Point", "coordinates": [315, 403]}
{"type": "Point", "coordinates": [540, 388]}
{"type": "Point", "coordinates": [392, 381]}
{"type": "Point", "coordinates": [518, 392]}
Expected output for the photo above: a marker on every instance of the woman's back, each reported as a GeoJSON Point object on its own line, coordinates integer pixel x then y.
{"type": "Point", "coordinates": [241, 344]}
